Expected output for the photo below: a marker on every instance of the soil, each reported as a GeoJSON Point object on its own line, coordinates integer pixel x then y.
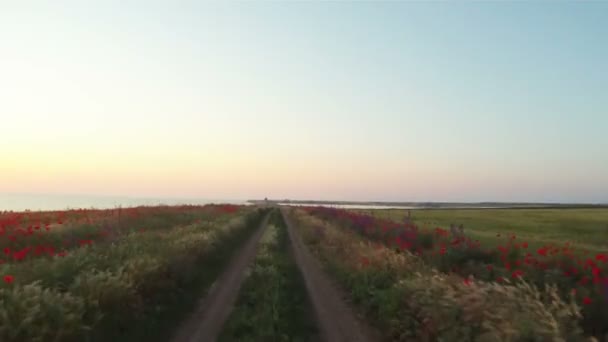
{"type": "Point", "coordinates": [337, 321]}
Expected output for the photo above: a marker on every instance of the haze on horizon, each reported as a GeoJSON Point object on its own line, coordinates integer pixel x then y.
{"type": "Point", "coordinates": [340, 101]}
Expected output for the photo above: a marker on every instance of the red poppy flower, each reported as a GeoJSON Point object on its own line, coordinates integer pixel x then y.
{"type": "Point", "coordinates": [542, 251]}
{"type": "Point", "coordinates": [467, 281]}
{"type": "Point", "coordinates": [364, 261]}
{"type": "Point", "coordinates": [517, 274]}
{"type": "Point", "coordinates": [8, 279]}
{"type": "Point", "coordinates": [7, 251]}
{"type": "Point", "coordinates": [586, 300]}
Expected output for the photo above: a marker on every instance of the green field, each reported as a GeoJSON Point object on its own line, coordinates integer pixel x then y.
{"type": "Point", "coordinates": [583, 228]}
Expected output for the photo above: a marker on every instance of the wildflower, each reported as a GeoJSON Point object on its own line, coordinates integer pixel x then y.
{"type": "Point", "coordinates": [467, 281]}
{"type": "Point", "coordinates": [7, 251]}
{"type": "Point", "coordinates": [586, 300]}
{"type": "Point", "coordinates": [524, 245]}
{"type": "Point", "coordinates": [542, 251]}
{"type": "Point", "coordinates": [8, 279]}
{"type": "Point", "coordinates": [364, 261]}
{"type": "Point", "coordinates": [517, 274]}
{"type": "Point", "coordinates": [20, 255]}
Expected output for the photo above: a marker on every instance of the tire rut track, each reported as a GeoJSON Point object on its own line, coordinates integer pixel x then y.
{"type": "Point", "coordinates": [206, 322]}
{"type": "Point", "coordinates": [336, 320]}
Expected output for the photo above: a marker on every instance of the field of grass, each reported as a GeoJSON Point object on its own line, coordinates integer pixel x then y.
{"type": "Point", "coordinates": [130, 275]}
{"type": "Point", "coordinates": [409, 300]}
{"type": "Point", "coordinates": [576, 272]}
{"type": "Point", "coordinates": [134, 274]}
{"type": "Point", "coordinates": [583, 228]}
{"type": "Point", "coordinates": [272, 304]}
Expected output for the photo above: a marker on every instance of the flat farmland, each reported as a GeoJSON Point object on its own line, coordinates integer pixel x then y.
{"type": "Point", "coordinates": [582, 228]}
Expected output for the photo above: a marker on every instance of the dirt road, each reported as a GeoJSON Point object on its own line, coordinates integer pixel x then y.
{"type": "Point", "coordinates": [336, 320]}
{"type": "Point", "coordinates": [206, 322]}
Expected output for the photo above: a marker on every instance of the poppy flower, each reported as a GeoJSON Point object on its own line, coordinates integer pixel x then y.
{"type": "Point", "coordinates": [586, 300]}
{"type": "Point", "coordinates": [364, 261]}
{"type": "Point", "coordinates": [7, 251]}
{"type": "Point", "coordinates": [8, 279]}
{"type": "Point", "coordinates": [542, 251]}
{"type": "Point", "coordinates": [467, 281]}
{"type": "Point", "coordinates": [517, 274]}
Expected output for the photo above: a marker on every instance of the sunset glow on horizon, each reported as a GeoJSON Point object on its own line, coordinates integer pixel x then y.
{"type": "Point", "coordinates": [340, 101]}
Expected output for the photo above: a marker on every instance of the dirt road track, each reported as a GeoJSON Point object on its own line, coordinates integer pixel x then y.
{"type": "Point", "coordinates": [206, 322]}
{"type": "Point", "coordinates": [336, 320]}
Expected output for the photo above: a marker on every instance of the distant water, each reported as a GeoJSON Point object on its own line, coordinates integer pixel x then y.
{"type": "Point", "coordinates": [349, 206]}
{"type": "Point", "coordinates": [19, 202]}
{"type": "Point", "coordinates": [377, 206]}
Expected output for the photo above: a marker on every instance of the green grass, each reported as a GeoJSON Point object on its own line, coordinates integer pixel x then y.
{"type": "Point", "coordinates": [159, 325]}
{"type": "Point", "coordinates": [583, 228]}
{"type": "Point", "coordinates": [136, 288]}
{"type": "Point", "coordinates": [406, 299]}
{"type": "Point", "coordinates": [273, 304]}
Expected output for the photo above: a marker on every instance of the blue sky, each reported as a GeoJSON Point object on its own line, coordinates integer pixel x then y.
{"type": "Point", "coordinates": [385, 101]}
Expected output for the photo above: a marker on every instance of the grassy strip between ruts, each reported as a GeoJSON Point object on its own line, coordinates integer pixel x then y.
{"type": "Point", "coordinates": [137, 288]}
{"type": "Point", "coordinates": [410, 301]}
{"type": "Point", "coordinates": [273, 304]}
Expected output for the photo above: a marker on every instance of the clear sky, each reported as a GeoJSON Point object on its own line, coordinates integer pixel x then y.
{"type": "Point", "coordinates": [363, 101]}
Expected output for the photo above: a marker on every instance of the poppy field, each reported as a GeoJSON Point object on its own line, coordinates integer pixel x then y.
{"type": "Point", "coordinates": [138, 274]}
{"type": "Point", "coordinates": [418, 281]}
{"type": "Point", "coordinates": [121, 274]}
